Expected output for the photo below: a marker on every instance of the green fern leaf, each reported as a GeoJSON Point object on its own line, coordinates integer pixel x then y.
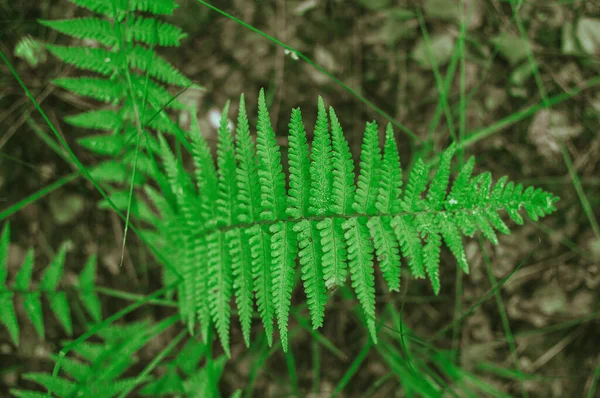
{"type": "Point", "coordinates": [309, 254]}
{"type": "Point", "coordinates": [241, 264]}
{"type": "Point", "coordinates": [299, 164]}
{"type": "Point", "coordinates": [388, 200]}
{"type": "Point", "coordinates": [155, 94]}
{"type": "Point", "coordinates": [227, 187]}
{"type": "Point", "coordinates": [247, 170]}
{"type": "Point", "coordinates": [410, 243]}
{"type": "Point", "coordinates": [93, 87]}
{"type": "Point", "coordinates": [325, 220]}
{"type": "Point", "coordinates": [259, 239]}
{"type": "Point", "coordinates": [320, 165]}
{"type": "Point", "coordinates": [341, 199]}
{"type": "Point", "coordinates": [360, 248]}
{"type": "Point", "coordinates": [439, 185]}
{"type": "Point", "coordinates": [114, 171]}
{"type": "Point", "coordinates": [87, 285]}
{"type": "Point", "coordinates": [186, 199]}
{"type": "Point", "coordinates": [343, 188]}
{"type": "Point", "coordinates": [247, 199]}
{"type": "Point", "coordinates": [7, 309]}
{"type": "Point", "coordinates": [147, 61]}
{"type": "Point", "coordinates": [309, 239]}
{"type": "Point", "coordinates": [158, 7]}
{"type": "Point", "coordinates": [8, 316]}
{"type": "Point", "coordinates": [368, 184]}
{"type": "Point", "coordinates": [104, 119]}
{"type": "Point", "coordinates": [31, 300]}
{"type": "Point", "coordinates": [108, 7]}
{"type": "Point", "coordinates": [154, 32]}
{"type": "Point", "coordinates": [284, 250]}
{"type": "Point", "coordinates": [270, 171]}
{"type": "Point", "coordinates": [431, 260]}
{"type": "Point", "coordinates": [49, 284]}
{"type": "Point", "coordinates": [104, 144]}
{"type": "Point", "coordinates": [59, 386]}
{"type": "Point", "coordinates": [96, 60]}
{"type": "Point", "coordinates": [417, 182]}
{"type": "Point", "coordinates": [220, 283]}
{"type": "Point", "coordinates": [4, 245]}
{"type": "Point", "coordinates": [207, 182]}
{"type": "Point", "coordinates": [360, 261]}
{"type": "Point", "coordinates": [386, 250]}
{"type": "Point", "coordinates": [388, 197]}
{"type": "Point", "coordinates": [99, 30]}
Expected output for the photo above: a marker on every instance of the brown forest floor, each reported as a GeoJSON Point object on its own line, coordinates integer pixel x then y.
{"type": "Point", "coordinates": [368, 46]}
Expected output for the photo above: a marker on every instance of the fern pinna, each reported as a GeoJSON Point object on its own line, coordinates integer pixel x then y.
{"type": "Point", "coordinates": [240, 230]}
{"type": "Point", "coordinates": [119, 47]}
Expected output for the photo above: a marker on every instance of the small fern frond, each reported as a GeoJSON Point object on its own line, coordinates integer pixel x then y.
{"type": "Point", "coordinates": [329, 223]}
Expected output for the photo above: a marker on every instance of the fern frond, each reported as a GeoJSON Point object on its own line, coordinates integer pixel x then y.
{"type": "Point", "coordinates": [328, 222]}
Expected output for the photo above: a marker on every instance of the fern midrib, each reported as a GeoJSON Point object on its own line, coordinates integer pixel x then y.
{"type": "Point", "coordinates": [353, 215]}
